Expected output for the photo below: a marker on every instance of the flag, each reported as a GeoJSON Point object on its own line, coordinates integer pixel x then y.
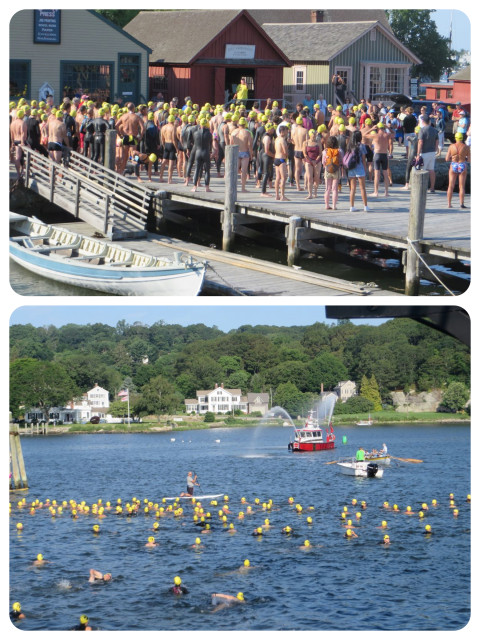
{"type": "Point", "coordinates": [123, 395]}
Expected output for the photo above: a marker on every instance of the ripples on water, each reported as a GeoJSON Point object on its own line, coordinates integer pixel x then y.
{"type": "Point", "coordinates": [418, 582]}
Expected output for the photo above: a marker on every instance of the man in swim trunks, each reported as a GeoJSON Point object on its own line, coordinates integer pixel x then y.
{"type": "Point", "coordinates": [57, 136]}
{"type": "Point", "coordinates": [243, 138]}
{"type": "Point", "coordinates": [169, 143]}
{"type": "Point", "coordinates": [130, 128]}
{"type": "Point", "coordinates": [299, 136]}
{"type": "Point", "coordinates": [280, 162]}
{"type": "Point", "coordinates": [18, 136]}
{"type": "Point", "coordinates": [98, 576]}
{"type": "Point", "coordinates": [380, 140]}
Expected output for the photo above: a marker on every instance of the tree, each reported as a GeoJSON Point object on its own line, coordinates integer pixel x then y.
{"type": "Point", "coordinates": [455, 397]}
{"type": "Point", "coordinates": [35, 383]}
{"type": "Point", "coordinates": [355, 404]}
{"type": "Point", "coordinates": [290, 398]}
{"type": "Point", "coordinates": [417, 31]}
{"type": "Point", "coordinates": [369, 390]}
{"type": "Point", "coordinates": [158, 397]}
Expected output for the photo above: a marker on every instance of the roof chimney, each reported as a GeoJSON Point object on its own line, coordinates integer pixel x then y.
{"type": "Point", "coordinates": [316, 15]}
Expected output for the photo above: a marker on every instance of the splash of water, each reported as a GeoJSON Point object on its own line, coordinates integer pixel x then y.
{"type": "Point", "coordinates": [278, 412]}
{"type": "Point", "coordinates": [324, 408]}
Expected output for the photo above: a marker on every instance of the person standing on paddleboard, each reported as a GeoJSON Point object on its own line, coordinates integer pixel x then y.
{"type": "Point", "coordinates": [191, 483]}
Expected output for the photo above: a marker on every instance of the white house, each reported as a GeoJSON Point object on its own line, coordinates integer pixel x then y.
{"type": "Point", "coordinates": [345, 389]}
{"type": "Point", "coordinates": [218, 400]}
{"type": "Point", "coordinates": [92, 403]}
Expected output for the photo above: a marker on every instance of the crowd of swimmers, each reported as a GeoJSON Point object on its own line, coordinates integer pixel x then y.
{"type": "Point", "coordinates": [314, 144]}
{"type": "Point", "coordinates": [206, 521]}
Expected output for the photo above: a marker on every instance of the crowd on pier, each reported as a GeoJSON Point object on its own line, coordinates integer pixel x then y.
{"type": "Point", "coordinates": [279, 149]}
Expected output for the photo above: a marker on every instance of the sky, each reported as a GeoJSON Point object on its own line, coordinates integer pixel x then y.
{"type": "Point", "coordinates": [224, 316]}
{"type": "Point", "coordinates": [461, 36]}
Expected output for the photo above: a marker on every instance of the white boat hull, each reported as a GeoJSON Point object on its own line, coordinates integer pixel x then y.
{"type": "Point", "coordinates": [358, 469]}
{"type": "Point", "coordinates": [122, 272]}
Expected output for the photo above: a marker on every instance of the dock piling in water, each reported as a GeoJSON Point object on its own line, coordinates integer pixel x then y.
{"type": "Point", "coordinates": [19, 475]}
{"type": "Point", "coordinates": [418, 200]}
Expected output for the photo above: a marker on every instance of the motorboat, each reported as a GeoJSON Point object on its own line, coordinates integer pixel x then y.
{"type": "Point", "coordinates": [364, 468]}
{"type": "Point", "coordinates": [66, 256]}
{"type": "Point", "coordinates": [365, 423]}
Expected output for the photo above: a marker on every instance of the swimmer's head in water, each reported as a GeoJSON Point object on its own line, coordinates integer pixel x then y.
{"type": "Point", "coordinates": [151, 539]}
{"type": "Point", "coordinates": [83, 619]}
{"type": "Point", "coordinates": [177, 581]}
{"type": "Point", "coordinates": [240, 596]}
{"type": "Point", "coordinates": [39, 557]}
{"type": "Point", "coordinates": [17, 606]}
{"type": "Point", "coordinates": [246, 563]}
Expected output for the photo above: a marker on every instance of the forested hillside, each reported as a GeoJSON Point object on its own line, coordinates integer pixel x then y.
{"type": "Point", "coordinates": [163, 364]}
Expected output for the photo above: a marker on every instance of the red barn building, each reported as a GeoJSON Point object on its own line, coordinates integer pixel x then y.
{"type": "Point", "coordinates": [205, 53]}
{"type": "Point", "coordinates": [457, 89]}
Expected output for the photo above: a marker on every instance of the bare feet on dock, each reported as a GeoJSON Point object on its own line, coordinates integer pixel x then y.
{"type": "Point", "coordinates": [208, 190]}
{"type": "Point", "coordinates": [267, 195]}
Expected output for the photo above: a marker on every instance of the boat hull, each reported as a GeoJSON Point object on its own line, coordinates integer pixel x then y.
{"type": "Point", "coordinates": [359, 469]}
{"type": "Point", "coordinates": [165, 281]}
{"type": "Point", "coordinates": [379, 459]}
{"type": "Point", "coordinates": [299, 447]}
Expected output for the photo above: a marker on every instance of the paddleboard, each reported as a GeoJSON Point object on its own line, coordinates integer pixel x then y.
{"type": "Point", "coordinates": [212, 495]}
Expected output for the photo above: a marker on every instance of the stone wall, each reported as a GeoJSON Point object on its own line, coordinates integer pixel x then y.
{"type": "Point", "coordinates": [416, 402]}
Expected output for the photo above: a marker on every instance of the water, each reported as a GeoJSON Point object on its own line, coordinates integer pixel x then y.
{"type": "Point", "coordinates": [417, 583]}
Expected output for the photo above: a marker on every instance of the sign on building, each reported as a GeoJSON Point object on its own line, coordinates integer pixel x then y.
{"type": "Point", "coordinates": [240, 51]}
{"type": "Point", "coordinates": [46, 26]}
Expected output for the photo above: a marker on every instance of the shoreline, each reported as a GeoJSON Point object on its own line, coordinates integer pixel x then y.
{"type": "Point", "coordinates": [115, 429]}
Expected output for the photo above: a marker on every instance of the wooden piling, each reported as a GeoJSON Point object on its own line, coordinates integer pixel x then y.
{"type": "Point", "coordinates": [419, 181]}
{"type": "Point", "coordinates": [293, 250]}
{"type": "Point", "coordinates": [19, 475]}
{"type": "Point", "coordinates": [110, 149]}
{"type": "Point", "coordinates": [228, 216]}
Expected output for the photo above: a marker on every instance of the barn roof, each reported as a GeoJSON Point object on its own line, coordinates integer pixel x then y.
{"type": "Point", "coordinates": [315, 41]}
{"type": "Point", "coordinates": [279, 16]}
{"type": "Point", "coordinates": [179, 37]}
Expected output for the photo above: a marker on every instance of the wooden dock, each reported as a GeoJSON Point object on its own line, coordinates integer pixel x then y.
{"type": "Point", "coordinates": [235, 275]}
{"type": "Point", "coordinates": [124, 209]}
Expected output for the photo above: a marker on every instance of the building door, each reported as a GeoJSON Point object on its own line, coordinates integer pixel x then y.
{"type": "Point", "coordinates": [233, 77]}
{"type": "Point", "coordinates": [346, 75]}
{"type": "Point", "coordinates": [219, 88]}
{"type": "Point", "coordinates": [129, 78]}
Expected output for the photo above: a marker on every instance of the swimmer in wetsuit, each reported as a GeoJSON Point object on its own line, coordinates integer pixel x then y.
{"type": "Point", "coordinates": [83, 626]}
{"type": "Point", "coordinates": [16, 612]}
{"type": "Point", "coordinates": [178, 589]}
{"type": "Point", "coordinates": [202, 149]}
{"type": "Point", "coordinates": [100, 125]}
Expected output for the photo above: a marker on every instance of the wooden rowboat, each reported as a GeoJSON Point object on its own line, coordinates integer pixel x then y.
{"type": "Point", "coordinates": [65, 256]}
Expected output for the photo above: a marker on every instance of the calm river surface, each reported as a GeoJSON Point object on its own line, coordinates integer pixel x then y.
{"type": "Point", "coordinates": [419, 582]}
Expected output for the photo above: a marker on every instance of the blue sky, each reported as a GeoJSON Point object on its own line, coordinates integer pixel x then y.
{"type": "Point", "coordinates": [460, 27]}
{"type": "Point", "coordinates": [224, 316]}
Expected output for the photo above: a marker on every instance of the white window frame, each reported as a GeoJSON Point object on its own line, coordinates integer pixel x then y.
{"type": "Point", "coordinates": [366, 66]}
{"type": "Point", "coordinates": [296, 69]}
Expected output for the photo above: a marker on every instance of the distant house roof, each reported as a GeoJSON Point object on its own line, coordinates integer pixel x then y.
{"type": "Point", "coordinates": [261, 397]}
{"type": "Point", "coordinates": [316, 41]}
{"type": "Point", "coordinates": [117, 28]}
{"type": "Point", "coordinates": [179, 37]}
{"type": "Point", "coordinates": [278, 16]}
{"type": "Point", "coordinates": [461, 76]}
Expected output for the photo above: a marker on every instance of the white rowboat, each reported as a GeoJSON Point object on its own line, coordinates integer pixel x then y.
{"type": "Point", "coordinates": [65, 256]}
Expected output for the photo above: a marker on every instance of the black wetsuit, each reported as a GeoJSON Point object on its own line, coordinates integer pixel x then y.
{"type": "Point", "coordinates": [71, 127]}
{"type": "Point", "coordinates": [34, 136]}
{"type": "Point", "coordinates": [257, 148]}
{"type": "Point", "coordinates": [100, 126]}
{"type": "Point", "coordinates": [152, 140]}
{"type": "Point", "coordinates": [191, 147]}
{"type": "Point", "coordinates": [202, 144]}
{"type": "Point", "coordinates": [221, 144]}
{"type": "Point", "coordinates": [267, 162]}
{"type": "Point", "coordinates": [89, 129]}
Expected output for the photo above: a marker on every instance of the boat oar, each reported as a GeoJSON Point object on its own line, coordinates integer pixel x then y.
{"type": "Point", "coordinates": [407, 459]}
{"type": "Point", "coordinates": [332, 462]}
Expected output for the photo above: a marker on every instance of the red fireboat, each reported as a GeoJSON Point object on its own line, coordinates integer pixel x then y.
{"type": "Point", "coordinates": [310, 437]}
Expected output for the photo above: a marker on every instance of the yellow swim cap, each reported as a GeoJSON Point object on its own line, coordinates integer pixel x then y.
{"type": "Point", "coordinates": [177, 580]}
{"type": "Point", "coordinates": [152, 157]}
{"type": "Point", "coordinates": [299, 120]}
{"type": "Point", "coordinates": [16, 606]}
{"type": "Point", "coordinates": [39, 556]}
{"type": "Point", "coordinates": [151, 539]}
{"type": "Point", "coordinates": [240, 596]}
{"type": "Point", "coordinates": [246, 563]}
{"type": "Point", "coordinates": [307, 543]}
{"type": "Point", "coordinates": [83, 619]}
